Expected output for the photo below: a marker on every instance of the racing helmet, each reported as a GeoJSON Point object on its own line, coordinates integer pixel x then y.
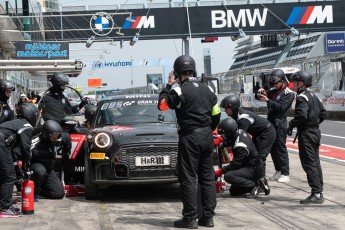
{"type": "Point", "coordinates": [228, 127]}
{"type": "Point", "coordinates": [59, 79]}
{"type": "Point", "coordinates": [6, 85]}
{"type": "Point", "coordinates": [231, 101]}
{"type": "Point", "coordinates": [23, 95]}
{"type": "Point", "coordinates": [184, 63]}
{"type": "Point", "coordinates": [304, 76]}
{"type": "Point", "coordinates": [276, 76]}
{"type": "Point", "coordinates": [29, 112]}
{"type": "Point", "coordinates": [90, 111]}
{"type": "Point", "coordinates": [51, 130]}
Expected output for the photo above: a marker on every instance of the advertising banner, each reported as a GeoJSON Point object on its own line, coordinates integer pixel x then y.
{"type": "Point", "coordinates": [335, 42]}
{"type": "Point", "coordinates": [335, 102]}
{"type": "Point", "coordinates": [42, 50]}
{"type": "Point", "coordinates": [205, 21]}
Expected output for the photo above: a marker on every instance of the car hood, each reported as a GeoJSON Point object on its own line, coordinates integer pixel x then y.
{"type": "Point", "coordinates": [140, 133]}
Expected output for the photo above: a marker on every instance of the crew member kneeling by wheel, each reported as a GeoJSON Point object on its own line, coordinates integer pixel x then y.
{"type": "Point", "coordinates": [246, 172]}
{"type": "Point", "coordinates": [47, 183]}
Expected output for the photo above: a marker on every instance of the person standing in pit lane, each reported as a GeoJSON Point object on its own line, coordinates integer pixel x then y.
{"type": "Point", "coordinates": [279, 100]}
{"type": "Point", "coordinates": [197, 115]}
{"type": "Point", "coordinates": [261, 130]}
{"type": "Point", "coordinates": [6, 89]}
{"type": "Point", "coordinates": [309, 113]}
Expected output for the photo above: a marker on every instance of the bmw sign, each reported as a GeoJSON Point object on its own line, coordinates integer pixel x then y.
{"type": "Point", "coordinates": [101, 23]}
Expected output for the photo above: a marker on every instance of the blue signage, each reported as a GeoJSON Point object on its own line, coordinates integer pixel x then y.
{"type": "Point", "coordinates": [335, 42]}
{"type": "Point", "coordinates": [42, 50]}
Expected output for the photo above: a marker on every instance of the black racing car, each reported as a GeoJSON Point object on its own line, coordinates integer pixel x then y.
{"type": "Point", "coordinates": [131, 142]}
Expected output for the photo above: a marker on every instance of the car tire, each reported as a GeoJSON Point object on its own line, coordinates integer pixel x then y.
{"type": "Point", "coordinates": [92, 191]}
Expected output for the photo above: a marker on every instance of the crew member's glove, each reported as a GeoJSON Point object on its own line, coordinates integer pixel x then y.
{"type": "Point", "coordinates": [289, 131]}
{"type": "Point", "coordinates": [218, 173]}
{"type": "Point", "coordinates": [83, 102]}
{"type": "Point", "coordinates": [218, 140]}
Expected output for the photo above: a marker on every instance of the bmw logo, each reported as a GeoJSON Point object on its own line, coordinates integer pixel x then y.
{"type": "Point", "coordinates": [101, 23]}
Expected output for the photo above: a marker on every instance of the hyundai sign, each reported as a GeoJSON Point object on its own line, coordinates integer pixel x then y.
{"type": "Point", "coordinates": [335, 42]}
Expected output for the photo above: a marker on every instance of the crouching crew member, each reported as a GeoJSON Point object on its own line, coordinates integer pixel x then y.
{"type": "Point", "coordinates": [13, 134]}
{"type": "Point", "coordinates": [245, 172]}
{"type": "Point", "coordinates": [47, 183]}
{"type": "Point", "coordinates": [309, 113]}
{"type": "Point", "coordinates": [262, 131]}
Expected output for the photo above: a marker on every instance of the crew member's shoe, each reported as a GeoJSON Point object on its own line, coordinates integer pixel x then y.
{"type": "Point", "coordinates": [276, 175]}
{"type": "Point", "coordinates": [255, 191]}
{"type": "Point", "coordinates": [313, 199]}
{"type": "Point", "coordinates": [263, 183]}
{"type": "Point", "coordinates": [206, 222]}
{"type": "Point", "coordinates": [186, 223]}
{"type": "Point", "coordinates": [11, 212]}
{"type": "Point", "coordinates": [284, 179]}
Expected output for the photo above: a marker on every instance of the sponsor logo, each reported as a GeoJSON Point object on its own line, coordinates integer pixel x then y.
{"type": "Point", "coordinates": [28, 190]}
{"type": "Point", "coordinates": [302, 15]}
{"type": "Point", "coordinates": [335, 42]}
{"type": "Point", "coordinates": [137, 22]}
{"type": "Point", "coordinates": [101, 23]}
{"type": "Point", "coordinates": [244, 18]}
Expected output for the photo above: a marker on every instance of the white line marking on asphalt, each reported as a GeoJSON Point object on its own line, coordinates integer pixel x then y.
{"type": "Point", "coordinates": [328, 135]}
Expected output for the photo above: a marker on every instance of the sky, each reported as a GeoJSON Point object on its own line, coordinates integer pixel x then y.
{"type": "Point", "coordinates": [166, 50]}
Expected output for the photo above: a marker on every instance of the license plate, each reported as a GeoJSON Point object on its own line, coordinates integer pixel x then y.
{"type": "Point", "coordinates": [152, 160]}
{"type": "Point", "coordinates": [97, 156]}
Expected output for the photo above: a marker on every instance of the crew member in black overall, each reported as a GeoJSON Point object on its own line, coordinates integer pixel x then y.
{"type": "Point", "coordinates": [55, 105]}
{"type": "Point", "coordinates": [47, 183]}
{"type": "Point", "coordinates": [279, 100]}
{"type": "Point", "coordinates": [262, 131]}
{"type": "Point", "coordinates": [13, 134]}
{"type": "Point", "coordinates": [197, 115]}
{"type": "Point", "coordinates": [309, 113]}
{"type": "Point", "coordinates": [246, 172]}
{"type": "Point", "coordinates": [6, 89]}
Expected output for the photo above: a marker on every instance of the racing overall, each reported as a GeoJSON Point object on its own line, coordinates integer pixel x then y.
{"type": "Point", "coordinates": [47, 183]}
{"type": "Point", "coordinates": [246, 167]}
{"type": "Point", "coordinates": [197, 115]}
{"type": "Point", "coordinates": [55, 106]}
{"type": "Point", "coordinates": [309, 113]}
{"type": "Point", "coordinates": [14, 133]}
{"type": "Point", "coordinates": [261, 130]}
{"type": "Point", "coordinates": [279, 104]}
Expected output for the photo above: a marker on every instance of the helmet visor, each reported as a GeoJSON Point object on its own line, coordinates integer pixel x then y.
{"type": "Point", "coordinates": [55, 136]}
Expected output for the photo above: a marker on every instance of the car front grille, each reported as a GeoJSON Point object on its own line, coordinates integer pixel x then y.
{"type": "Point", "coordinates": [129, 153]}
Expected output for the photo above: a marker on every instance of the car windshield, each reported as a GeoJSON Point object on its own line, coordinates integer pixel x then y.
{"type": "Point", "coordinates": [130, 111]}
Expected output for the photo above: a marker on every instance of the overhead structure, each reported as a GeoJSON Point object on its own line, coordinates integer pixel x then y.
{"type": "Point", "coordinates": [41, 65]}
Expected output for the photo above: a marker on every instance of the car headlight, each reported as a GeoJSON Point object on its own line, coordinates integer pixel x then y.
{"type": "Point", "coordinates": [102, 140]}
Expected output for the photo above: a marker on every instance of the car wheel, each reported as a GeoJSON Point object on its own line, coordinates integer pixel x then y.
{"type": "Point", "coordinates": [92, 191]}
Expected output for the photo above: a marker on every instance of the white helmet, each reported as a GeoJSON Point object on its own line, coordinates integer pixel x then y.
{"type": "Point", "coordinates": [23, 95]}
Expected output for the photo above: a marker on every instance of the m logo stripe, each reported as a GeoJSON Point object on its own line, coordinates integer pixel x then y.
{"type": "Point", "coordinates": [307, 15]}
{"type": "Point", "coordinates": [136, 22]}
{"type": "Point", "coordinates": [310, 14]}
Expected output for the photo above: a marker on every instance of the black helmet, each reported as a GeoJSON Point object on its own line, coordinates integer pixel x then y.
{"type": "Point", "coordinates": [51, 128]}
{"type": "Point", "coordinates": [6, 85]}
{"type": "Point", "coordinates": [90, 111]}
{"type": "Point", "coordinates": [59, 79]}
{"type": "Point", "coordinates": [184, 63]}
{"type": "Point", "coordinates": [304, 76]}
{"type": "Point", "coordinates": [231, 101]}
{"type": "Point", "coordinates": [276, 76]}
{"type": "Point", "coordinates": [228, 127]}
{"type": "Point", "coordinates": [29, 112]}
